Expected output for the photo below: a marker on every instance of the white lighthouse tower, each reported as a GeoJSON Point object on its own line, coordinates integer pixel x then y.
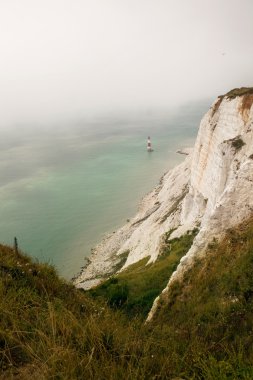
{"type": "Point", "coordinates": [149, 147]}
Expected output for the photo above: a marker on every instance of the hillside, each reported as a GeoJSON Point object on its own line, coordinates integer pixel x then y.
{"type": "Point", "coordinates": [134, 289]}
{"type": "Point", "coordinates": [202, 330]}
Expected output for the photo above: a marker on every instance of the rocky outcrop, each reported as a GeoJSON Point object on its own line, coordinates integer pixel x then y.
{"type": "Point", "coordinates": [211, 189]}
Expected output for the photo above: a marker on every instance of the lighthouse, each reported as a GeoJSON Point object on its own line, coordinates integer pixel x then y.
{"type": "Point", "coordinates": [149, 148]}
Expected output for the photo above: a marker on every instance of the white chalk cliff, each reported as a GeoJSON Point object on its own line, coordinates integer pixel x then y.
{"type": "Point", "coordinates": [212, 190]}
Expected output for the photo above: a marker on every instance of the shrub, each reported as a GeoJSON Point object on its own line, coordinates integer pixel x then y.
{"type": "Point", "coordinates": [237, 143]}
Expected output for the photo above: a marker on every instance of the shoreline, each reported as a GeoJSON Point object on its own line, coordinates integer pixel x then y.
{"type": "Point", "coordinates": [106, 257]}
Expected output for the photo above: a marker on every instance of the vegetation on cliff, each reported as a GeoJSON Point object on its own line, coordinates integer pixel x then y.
{"type": "Point", "coordinates": [239, 92]}
{"type": "Point", "coordinates": [247, 99]}
{"type": "Point", "coordinates": [202, 330]}
{"type": "Point", "coordinates": [134, 290]}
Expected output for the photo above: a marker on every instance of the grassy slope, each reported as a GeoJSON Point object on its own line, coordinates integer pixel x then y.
{"type": "Point", "coordinates": [135, 289]}
{"type": "Point", "coordinates": [213, 306]}
{"type": "Point", "coordinates": [203, 329]}
{"type": "Point", "coordinates": [49, 329]}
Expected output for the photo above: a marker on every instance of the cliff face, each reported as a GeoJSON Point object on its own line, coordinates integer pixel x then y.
{"type": "Point", "coordinates": [221, 154]}
{"type": "Point", "coordinates": [211, 190]}
{"type": "Point", "coordinates": [221, 180]}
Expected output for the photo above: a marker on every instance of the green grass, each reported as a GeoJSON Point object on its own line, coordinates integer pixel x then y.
{"type": "Point", "coordinates": [135, 289]}
{"type": "Point", "coordinates": [213, 306]}
{"type": "Point", "coordinates": [239, 92]}
{"type": "Point", "coordinates": [203, 328]}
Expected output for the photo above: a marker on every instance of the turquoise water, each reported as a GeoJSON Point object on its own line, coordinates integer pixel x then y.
{"type": "Point", "coordinates": [63, 188]}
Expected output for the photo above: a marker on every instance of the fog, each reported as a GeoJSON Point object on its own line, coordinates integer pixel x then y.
{"type": "Point", "coordinates": [71, 59]}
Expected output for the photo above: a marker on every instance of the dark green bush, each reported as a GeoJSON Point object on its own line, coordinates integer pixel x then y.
{"type": "Point", "coordinates": [238, 143]}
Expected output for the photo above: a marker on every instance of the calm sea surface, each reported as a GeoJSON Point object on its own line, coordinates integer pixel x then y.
{"type": "Point", "coordinates": [63, 188]}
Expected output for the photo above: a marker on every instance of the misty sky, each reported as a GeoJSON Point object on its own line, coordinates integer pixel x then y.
{"type": "Point", "coordinates": [63, 59]}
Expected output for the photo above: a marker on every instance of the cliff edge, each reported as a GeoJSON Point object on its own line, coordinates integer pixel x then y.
{"type": "Point", "coordinates": [211, 190]}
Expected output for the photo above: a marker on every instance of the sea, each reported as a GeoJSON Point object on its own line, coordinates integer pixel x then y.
{"type": "Point", "coordinates": [65, 186]}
